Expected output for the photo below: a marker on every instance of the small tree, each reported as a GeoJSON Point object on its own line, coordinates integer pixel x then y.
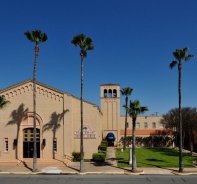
{"type": "Point", "coordinates": [134, 110]}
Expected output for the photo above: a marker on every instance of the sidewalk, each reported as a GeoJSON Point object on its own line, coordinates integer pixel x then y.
{"type": "Point", "coordinates": [108, 167]}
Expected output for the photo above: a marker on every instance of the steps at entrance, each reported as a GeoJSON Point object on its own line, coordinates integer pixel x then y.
{"type": "Point", "coordinates": [28, 162]}
{"type": "Point", "coordinates": [43, 163]}
{"type": "Point", "coordinates": [9, 162]}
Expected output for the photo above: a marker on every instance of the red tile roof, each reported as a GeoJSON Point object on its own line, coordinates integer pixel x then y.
{"type": "Point", "coordinates": [147, 132]}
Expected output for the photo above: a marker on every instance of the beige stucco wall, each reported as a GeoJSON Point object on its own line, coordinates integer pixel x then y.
{"type": "Point", "coordinates": [141, 120]}
{"type": "Point", "coordinates": [50, 103]}
{"type": "Point", "coordinates": [91, 117]}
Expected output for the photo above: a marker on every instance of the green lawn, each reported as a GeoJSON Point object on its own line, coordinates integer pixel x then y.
{"type": "Point", "coordinates": [154, 157]}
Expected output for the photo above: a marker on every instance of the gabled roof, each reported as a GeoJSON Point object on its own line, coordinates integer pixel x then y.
{"type": "Point", "coordinates": [45, 86]}
{"type": "Point", "coordinates": [30, 80]}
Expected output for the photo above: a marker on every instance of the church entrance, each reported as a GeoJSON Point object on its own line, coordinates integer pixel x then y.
{"type": "Point", "coordinates": [28, 143]}
{"type": "Point", "coordinates": [110, 139]}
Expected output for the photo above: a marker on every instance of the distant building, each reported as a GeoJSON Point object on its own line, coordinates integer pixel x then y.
{"type": "Point", "coordinates": [58, 122]}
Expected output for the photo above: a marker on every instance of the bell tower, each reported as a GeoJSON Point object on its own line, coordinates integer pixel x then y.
{"type": "Point", "coordinates": [110, 107]}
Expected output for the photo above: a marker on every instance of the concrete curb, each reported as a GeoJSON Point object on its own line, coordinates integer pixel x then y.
{"type": "Point", "coordinates": [181, 174]}
{"type": "Point", "coordinates": [133, 173]}
{"type": "Point", "coordinates": [95, 173]}
{"type": "Point", "coordinates": [22, 173]}
{"type": "Point", "coordinates": [74, 173]}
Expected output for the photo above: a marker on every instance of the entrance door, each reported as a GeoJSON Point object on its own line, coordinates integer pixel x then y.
{"type": "Point", "coordinates": [110, 139]}
{"type": "Point", "coordinates": [28, 144]}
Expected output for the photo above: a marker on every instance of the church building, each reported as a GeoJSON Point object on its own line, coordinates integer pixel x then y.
{"type": "Point", "coordinates": [58, 122]}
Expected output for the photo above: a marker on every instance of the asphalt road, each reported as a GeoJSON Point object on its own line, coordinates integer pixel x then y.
{"type": "Point", "coordinates": [97, 179]}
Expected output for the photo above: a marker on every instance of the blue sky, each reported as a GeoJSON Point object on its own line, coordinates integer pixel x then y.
{"type": "Point", "coordinates": [133, 39]}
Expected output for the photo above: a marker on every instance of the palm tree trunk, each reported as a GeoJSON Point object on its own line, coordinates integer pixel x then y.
{"type": "Point", "coordinates": [34, 109]}
{"type": "Point", "coordinates": [81, 135]}
{"type": "Point", "coordinates": [180, 122]}
{"type": "Point", "coordinates": [125, 128]}
{"type": "Point", "coordinates": [191, 141]}
{"type": "Point", "coordinates": [134, 167]}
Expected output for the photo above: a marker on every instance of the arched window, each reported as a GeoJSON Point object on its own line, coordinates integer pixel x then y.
{"type": "Point", "coordinates": [153, 125]}
{"type": "Point", "coordinates": [114, 93]}
{"type": "Point", "coordinates": [145, 125]}
{"type": "Point", "coordinates": [110, 93]}
{"type": "Point", "coordinates": [105, 93]}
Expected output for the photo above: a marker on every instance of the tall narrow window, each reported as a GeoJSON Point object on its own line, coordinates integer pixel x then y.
{"type": "Point", "coordinates": [105, 93]}
{"type": "Point", "coordinates": [145, 125]}
{"type": "Point", "coordinates": [153, 125]}
{"type": "Point", "coordinates": [6, 144]}
{"type": "Point", "coordinates": [114, 93]}
{"type": "Point", "coordinates": [137, 125]}
{"type": "Point", "coordinates": [127, 125]}
{"type": "Point", "coordinates": [110, 93]}
{"type": "Point", "coordinates": [55, 145]}
{"type": "Point", "coordinates": [161, 125]}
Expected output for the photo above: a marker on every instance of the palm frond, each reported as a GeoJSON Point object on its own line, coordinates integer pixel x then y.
{"type": "Point", "coordinates": [126, 91]}
{"type": "Point", "coordinates": [135, 108]}
{"type": "Point", "coordinates": [188, 57]}
{"type": "Point", "coordinates": [180, 55]}
{"type": "Point", "coordinates": [85, 43]}
{"type": "Point", "coordinates": [36, 36]}
{"type": "Point", "coordinates": [3, 102]}
{"type": "Point", "coordinates": [172, 64]}
{"type": "Point", "coordinates": [185, 49]}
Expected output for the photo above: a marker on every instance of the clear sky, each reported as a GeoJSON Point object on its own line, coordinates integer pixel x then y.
{"type": "Point", "coordinates": [133, 39]}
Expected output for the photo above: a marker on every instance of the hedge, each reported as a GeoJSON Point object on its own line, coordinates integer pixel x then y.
{"type": "Point", "coordinates": [98, 157]}
{"type": "Point", "coordinates": [76, 156]}
{"type": "Point", "coordinates": [103, 148]}
{"type": "Point", "coordinates": [103, 152]}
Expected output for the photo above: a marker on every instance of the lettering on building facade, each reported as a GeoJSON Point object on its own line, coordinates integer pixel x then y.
{"type": "Point", "coordinates": [87, 133]}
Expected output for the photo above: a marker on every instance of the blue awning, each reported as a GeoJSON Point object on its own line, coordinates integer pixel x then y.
{"type": "Point", "coordinates": [110, 136]}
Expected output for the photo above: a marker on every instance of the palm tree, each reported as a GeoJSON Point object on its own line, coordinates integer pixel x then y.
{"type": "Point", "coordinates": [54, 124]}
{"type": "Point", "coordinates": [180, 55]}
{"type": "Point", "coordinates": [134, 110]}
{"type": "Point", "coordinates": [126, 92]}
{"type": "Point", "coordinates": [85, 43]}
{"type": "Point", "coordinates": [37, 37]}
{"type": "Point", "coordinates": [3, 102]}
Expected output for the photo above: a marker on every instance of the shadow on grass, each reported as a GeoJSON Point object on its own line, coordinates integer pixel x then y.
{"type": "Point", "coordinates": [154, 160]}
{"type": "Point", "coordinates": [165, 151]}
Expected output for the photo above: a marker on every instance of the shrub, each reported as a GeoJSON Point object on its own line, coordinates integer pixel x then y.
{"type": "Point", "coordinates": [98, 157]}
{"type": "Point", "coordinates": [103, 152]}
{"type": "Point", "coordinates": [76, 156]}
{"type": "Point", "coordinates": [103, 148]}
{"type": "Point", "coordinates": [104, 143]}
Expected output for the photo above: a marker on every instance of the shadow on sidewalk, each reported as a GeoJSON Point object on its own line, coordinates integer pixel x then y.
{"type": "Point", "coordinates": [31, 169]}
